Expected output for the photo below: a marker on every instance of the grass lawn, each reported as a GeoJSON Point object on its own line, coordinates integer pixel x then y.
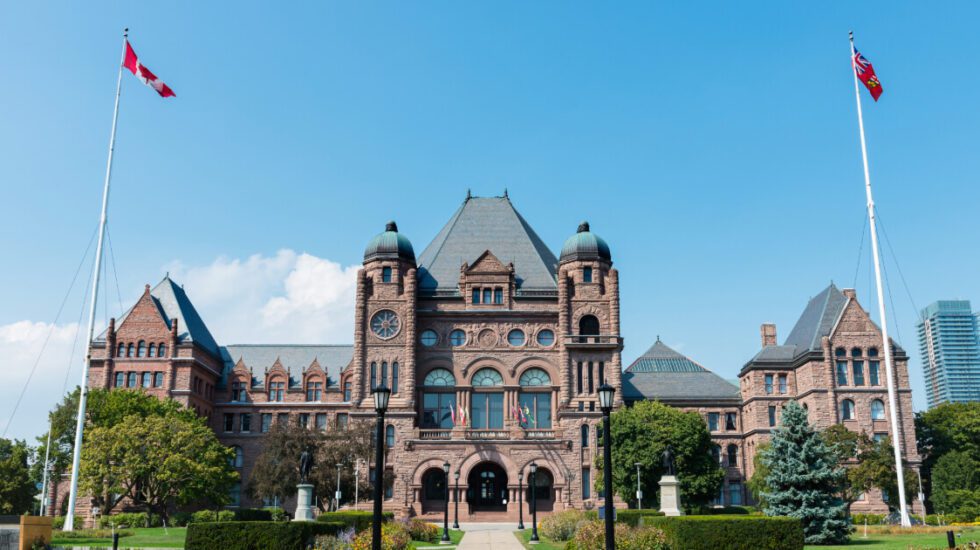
{"type": "Point", "coordinates": [454, 535]}
{"type": "Point", "coordinates": [153, 537]}
{"type": "Point", "coordinates": [878, 541]}
{"type": "Point", "coordinates": [544, 543]}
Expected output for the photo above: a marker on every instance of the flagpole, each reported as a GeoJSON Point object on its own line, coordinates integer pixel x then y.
{"type": "Point", "coordinates": [83, 391]}
{"type": "Point", "coordinates": [889, 375]}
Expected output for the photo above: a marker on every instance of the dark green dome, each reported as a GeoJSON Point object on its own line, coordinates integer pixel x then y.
{"type": "Point", "coordinates": [585, 245]}
{"type": "Point", "coordinates": [389, 245]}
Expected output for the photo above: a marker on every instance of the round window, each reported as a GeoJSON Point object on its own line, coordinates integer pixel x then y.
{"type": "Point", "coordinates": [429, 338]}
{"type": "Point", "coordinates": [457, 338]}
{"type": "Point", "coordinates": [546, 337]}
{"type": "Point", "coordinates": [516, 337]}
{"type": "Point", "coordinates": [385, 324]}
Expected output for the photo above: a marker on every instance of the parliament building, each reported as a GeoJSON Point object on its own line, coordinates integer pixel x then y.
{"type": "Point", "coordinates": [494, 349]}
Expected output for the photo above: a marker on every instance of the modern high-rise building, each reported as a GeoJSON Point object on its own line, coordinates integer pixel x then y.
{"type": "Point", "coordinates": [950, 342]}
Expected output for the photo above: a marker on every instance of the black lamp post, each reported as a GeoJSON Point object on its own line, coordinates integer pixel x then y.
{"type": "Point", "coordinates": [445, 519]}
{"type": "Point", "coordinates": [456, 495]}
{"type": "Point", "coordinates": [531, 486]}
{"type": "Point", "coordinates": [639, 491]}
{"type": "Point", "coordinates": [520, 500]}
{"type": "Point", "coordinates": [381, 396]}
{"type": "Point", "coordinates": [606, 393]}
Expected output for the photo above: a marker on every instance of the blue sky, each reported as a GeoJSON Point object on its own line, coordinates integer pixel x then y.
{"type": "Point", "coordinates": [714, 145]}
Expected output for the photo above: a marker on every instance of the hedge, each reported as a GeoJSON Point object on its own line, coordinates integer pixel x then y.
{"type": "Point", "coordinates": [255, 535]}
{"type": "Point", "coordinates": [725, 511]}
{"type": "Point", "coordinates": [59, 522]}
{"type": "Point", "coordinates": [730, 532]}
{"type": "Point", "coordinates": [872, 519]}
{"type": "Point", "coordinates": [633, 517]}
{"type": "Point", "coordinates": [252, 514]}
{"type": "Point", "coordinates": [357, 519]}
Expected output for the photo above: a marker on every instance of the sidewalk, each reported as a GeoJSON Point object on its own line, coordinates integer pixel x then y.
{"type": "Point", "coordinates": [489, 537]}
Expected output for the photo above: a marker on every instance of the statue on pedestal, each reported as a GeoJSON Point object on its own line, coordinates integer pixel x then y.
{"type": "Point", "coordinates": [670, 491]}
{"type": "Point", "coordinates": [304, 497]}
{"type": "Point", "coordinates": [305, 465]}
{"type": "Point", "coordinates": [668, 461]}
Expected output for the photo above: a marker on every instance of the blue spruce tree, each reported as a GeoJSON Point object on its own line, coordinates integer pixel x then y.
{"type": "Point", "coordinates": [805, 479]}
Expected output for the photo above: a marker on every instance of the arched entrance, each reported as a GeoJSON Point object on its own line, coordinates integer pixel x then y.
{"type": "Point", "coordinates": [434, 490]}
{"type": "Point", "coordinates": [487, 487]}
{"type": "Point", "coordinates": [544, 490]}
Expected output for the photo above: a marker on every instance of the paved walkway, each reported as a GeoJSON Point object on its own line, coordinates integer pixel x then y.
{"type": "Point", "coordinates": [495, 536]}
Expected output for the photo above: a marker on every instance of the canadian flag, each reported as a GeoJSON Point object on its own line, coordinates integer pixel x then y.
{"type": "Point", "coordinates": [146, 77]}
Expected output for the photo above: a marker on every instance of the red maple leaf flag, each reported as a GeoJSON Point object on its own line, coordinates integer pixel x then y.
{"type": "Point", "coordinates": [866, 73]}
{"type": "Point", "coordinates": [132, 63]}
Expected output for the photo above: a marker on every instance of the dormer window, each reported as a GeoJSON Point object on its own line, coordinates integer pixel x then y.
{"type": "Point", "coordinates": [385, 274]}
{"type": "Point", "coordinates": [314, 391]}
{"type": "Point", "coordinates": [498, 296]}
{"type": "Point", "coordinates": [586, 274]}
{"type": "Point", "coordinates": [238, 391]}
{"type": "Point", "coordinates": [276, 390]}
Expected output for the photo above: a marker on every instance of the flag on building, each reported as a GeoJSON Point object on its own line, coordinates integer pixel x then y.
{"type": "Point", "coordinates": [132, 62]}
{"type": "Point", "coordinates": [866, 74]}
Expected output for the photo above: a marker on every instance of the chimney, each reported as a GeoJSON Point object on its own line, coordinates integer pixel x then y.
{"type": "Point", "coordinates": [768, 332]}
{"type": "Point", "coordinates": [850, 293]}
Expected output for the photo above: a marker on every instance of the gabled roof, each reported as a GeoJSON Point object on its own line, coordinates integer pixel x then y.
{"type": "Point", "coordinates": [481, 224]}
{"type": "Point", "coordinates": [295, 358]}
{"type": "Point", "coordinates": [173, 303]}
{"type": "Point", "coordinates": [663, 374]}
{"type": "Point", "coordinates": [818, 319]}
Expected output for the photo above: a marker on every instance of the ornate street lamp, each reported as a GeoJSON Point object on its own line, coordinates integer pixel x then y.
{"type": "Point", "coordinates": [337, 495]}
{"type": "Point", "coordinates": [534, 502]}
{"type": "Point", "coordinates": [381, 396]}
{"type": "Point", "coordinates": [606, 393]}
{"type": "Point", "coordinates": [639, 492]}
{"type": "Point", "coordinates": [456, 517]}
{"type": "Point", "coordinates": [445, 518]}
{"type": "Point", "coordinates": [520, 500]}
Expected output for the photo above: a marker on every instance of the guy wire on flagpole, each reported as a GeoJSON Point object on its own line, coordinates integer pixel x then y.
{"type": "Point", "coordinates": [83, 390]}
{"type": "Point", "coordinates": [889, 374]}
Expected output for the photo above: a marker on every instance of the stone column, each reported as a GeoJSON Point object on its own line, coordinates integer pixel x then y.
{"type": "Point", "coordinates": [670, 496]}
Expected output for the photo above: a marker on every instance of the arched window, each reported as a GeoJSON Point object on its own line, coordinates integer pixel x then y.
{"type": "Point", "coordinates": [487, 377]}
{"type": "Point", "coordinates": [131, 381]}
{"type": "Point", "coordinates": [543, 480]}
{"type": "Point", "coordinates": [390, 436]}
{"type": "Point", "coordinates": [121, 350]}
{"type": "Point", "coordinates": [872, 352]}
{"type": "Point", "coordinates": [152, 351]}
{"type": "Point", "coordinates": [158, 380]}
{"type": "Point", "coordinates": [146, 379]}
{"type": "Point", "coordinates": [847, 410]}
{"type": "Point", "coordinates": [120, 379]}
{"type": "Point", "coordinates": [162, 350]}
{"type": "Point", "coordinates": [439, 377]}
{"type": "Point", "coordinates": [535, 377]}
{"type": "Point", "coordinates": [877, 410]}
{"type": "Point", "coordinates": [374, 375]}
{"type": "Point", "coordinates": [855, 352]}
{"type": "Point", "coordinates": [434, 484]}
{"type": "Point", "coordinates": [733, 455]}
{"type": "Point", "coordinates": [239, 458]}
{"type": "Point", "coordinates": [394, 377]}
{"type": "Point", "coordinates": [840, 352]}
{"type": "Point", "coordinates": [716, 453]}
{"type": "Point", "coordinates": [585, 436]}
{"type": "Point", "coordinates": [130, 350]}
{"type": "Point", "coordinates": [588, 325]}
{"type": "Point", "coordinates": [141, 349]}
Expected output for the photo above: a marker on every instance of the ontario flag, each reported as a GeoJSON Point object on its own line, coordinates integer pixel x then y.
{"type": "Point", "coordinates": [132, 63]}
{"type": "Point", "coordinates": [866, 74]}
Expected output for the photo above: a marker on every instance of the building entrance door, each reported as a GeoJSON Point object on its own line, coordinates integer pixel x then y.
{"type": "Point", "coordinates": [487, 487]}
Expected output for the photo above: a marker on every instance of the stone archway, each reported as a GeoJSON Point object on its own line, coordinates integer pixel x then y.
{"type": "Point", "coordinates": [486, 487]}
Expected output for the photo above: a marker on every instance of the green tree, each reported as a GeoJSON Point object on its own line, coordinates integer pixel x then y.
{"type": "Point", "coordinates": [948, 427]}
{"type": "Point", "coordinates": [954, 477]}
{"type": "Point", "coordinates": [760, 472]}
{"type": "Point", "coordinates": [844, 444]}
{"type": "Point", "coordinates": [641, 433]}
{"type": "Point", "coordinates": [876, 468]}
{"type": "Point", "coordinates": [16, 487]}
{"type": "Point", "coordinates": [805, 479]}
{"type": "Point", "coordinates": [158, 461]}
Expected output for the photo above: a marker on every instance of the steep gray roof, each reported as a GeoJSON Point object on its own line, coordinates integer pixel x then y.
{"type": "Point", "coordinates": [173, 303]}
{"type": "Point", "coordinates": [663, 374]}
{"type": "Point", "coordinates": [481, 224]}
{"type": "Point", "coordinates": [295, 358]}
{"type": "Point", "coordinates": [817, 320]}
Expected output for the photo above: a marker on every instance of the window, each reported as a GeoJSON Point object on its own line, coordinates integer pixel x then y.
{"type": "Point", "coordinates": [132, 381]}
{"type": "Point", "coordinates": [581, 406]}
{"type": "Point", "coordinates": [141, 349]}
{"type": "Point", "coordinates": [229, 422]}
{"type": "Point", "coordinates": [858, 368]}
{"type": "Point", "coordinates": [734, 493]}
{"type": "Point", "coordinates": [879, 437]}
{"type": "Point", "coordinates": [772, 415]}
{"type": "Point", "coordinates": [487, 409]}
{"type": "Point", "coordinates": [238, 391]}
{"type": "Point", "coordinates": [439, 377]}
{"type": "Point", "coordinates": [239, 457]}
{"type": "Point", "coordinates": [840, 352]}
{"type": "Point", "coordinates": [847, 410]}
{"type": "Point", "coordinates": [384, 374]}
{"type": "Point", "coordinates": [429, 338]}
{"type": "Point", "coordinates": [730, 422]}
{"type": "Point", "coordinates": [374, 375]}
{"type": "Point", "coordinates": [265, 422]}
{"type": "Point", "coordinates": [390, 436]}
{"type": "Point", "coordinates": [394, 377]}
{"type": "Point", "coordinates": [515, 337]}
{"type": "Point", "coordinates": [543, 480]}
{"type": "Point", "coordinates": [314, 391]}
{"type": "Point", "coordinates": [872, 352]}
{"type": "Point", "coordinates": [321, 421]}
{"type": "Point", "coordinates": [713, 422]}
{"type": "Point", "coordinates": [873, 373]}
{"type": "Point", "coordinates": [586, 274]}
{"type": "Point", "coordinates": [588, 325]}
{"type": "Point", "coordinates": [591, 380]}
{"type": "Point", "coordinates": [841, 373]}
{"type": "Point", "coordinates": [498, 296]}
{"type": "Point", "coordinates": [783, 384]}
{"type": "Point", "coordinates": [487, 298]}
{"type": "Point", "coordinates": [487, 377]}
{"type": "Point", "coordinates": [580, 377]}
{"type": "Point", "coordinates": [342, 421]}
{"type": "Point", "coordinates": [120, 379]}
{"type": "Point", "coordinates": [147, 379]}
{"type": "Point", "coordinates": [585, 436]}
{"type": "Point", "coordinates": [121, 351]}
{"type": "Point", "coordinates": [389, 484]}
{"type": "Point", "coordinates": [733, 455]}
{"type": "Point", "coordinates": [602, 372]}
{"type": "Point", "coordinates": [586, 483]}
{"type": "Point", "coordinates": [385, 274]}
{"type": "Point", "coordinates": [536, 407]}
{"type": "Point", "coordinates": [130, 350]}
{"type": "Point", "coordinates": [235, 495]}
{"type": "Point", "coordinates": [457, 338]}
{"type": "Point", "coordinates": [276, 391]}
{"type": "Point", "coordinates": [768, 384]}
{"type": "Point", "coordinates": [535, 377]}
{"type": "Point", "coordinates": [435, 410]}
{"type": "Point", "coordinates": [877, 410]}
{"type": "Point", "coordinates": [162, 350]}
{"type": "Point", "coordinates": [152, 351]}
{"type": "Point", "coordinates": [246, 422]}
{"type": "Point", "coordinates": [855, 352]}
{"type": "Point", "coordinates": [591, 406]}
{"type": "Point", "coordinates": [546, 338]}
{"type": "Point", "coordinates": [476, 295]}
{"type": "Point", "coordinates": [158, 380]}
{"type": "Point", "coordinates": [716, 453]}
{"type": "Point", "coordinates": [434, 484]}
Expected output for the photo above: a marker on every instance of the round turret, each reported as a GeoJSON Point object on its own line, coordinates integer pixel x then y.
{"type": "Point", "coordinates": [390, 245]}
{"type": "Point", "coordinates": [585, 245]}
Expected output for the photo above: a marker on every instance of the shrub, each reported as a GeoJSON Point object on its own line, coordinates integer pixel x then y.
{"type": "Point", "coordinates": [421, 530]}
{"type": "Point", "coordinates": [730, 532]}
{"type": "Point", "coordinates": [937, 519]}
{"type": "Point", "coordinates": [130, 519]}
{"type": "Point", "coordinates": [58, 522]}
{"type": "Point", "coordinates": [871, 519]}
{"type": "Point", "coordinates": [561, 526]}
{"type": "Point", "coordinates": [329, 542]}
{"type": "Point", "coordinates": [643, 538]}
{"type": "Point", "coordinates": [394, 536]}
{"type": "Point", "coordinates": [92, 534]}
{"type": "Point", "coordinates": [278, 514]}
{"type": "Point", "coordinates": [591, 535]}
{"type": "Point", "coordinates": [211, 516]}
{"type": "Point", "coordinates": [179, 519]}
{"type": "Point", "coordinates": [255, 535]}
{"type": "Point", "coordinates": [357, 519]}
{"type": "Point", "coordinates": [634, 518]}
{"type": "Point", "coordinates": [724, 511]}
{"type": "Point", "coordinates": [252, 514]}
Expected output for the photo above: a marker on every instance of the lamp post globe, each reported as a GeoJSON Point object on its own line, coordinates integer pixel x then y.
{"type": "Point", "coordinates": [606, 394]}
{"type": "Point", "coordinates": [445, 517]}
{"type": "Point", "coordinates": [531, 485]}
{"type": "Point", "coordinates": [520, 500]}
{"type": "Point", "coordinates": [456, 500]}
{"type": "Point", "coordinates": [381, 396]}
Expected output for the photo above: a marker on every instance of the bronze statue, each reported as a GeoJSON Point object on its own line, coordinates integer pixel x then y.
{"type": "Point", "coordinates": [305, 465]}
{"type": "Point", "coordinates": [668, 461]}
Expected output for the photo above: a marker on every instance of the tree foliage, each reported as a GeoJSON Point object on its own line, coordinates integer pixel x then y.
{"type": "Point", "coordinates": [16, 487]}
{"type": "Point", "coordinates": [760, 472]}
{"type": "Point", "coordinates": [956, 484]}
{"type": "Point", "coordinates": [804, 479]}
{"type": "Point", "coordinates": [940, 430]}
{"type": "Point", "coordinates": [876, 468]}
{"type": "Point", "coordinates": [641, 433]}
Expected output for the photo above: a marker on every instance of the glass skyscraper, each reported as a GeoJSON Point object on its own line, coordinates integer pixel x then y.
{"type": "Point", "coordinates": [950, 342]}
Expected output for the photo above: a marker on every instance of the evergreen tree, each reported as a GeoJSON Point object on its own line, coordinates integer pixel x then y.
{"type": "Point", "coordinates": [805, 479]}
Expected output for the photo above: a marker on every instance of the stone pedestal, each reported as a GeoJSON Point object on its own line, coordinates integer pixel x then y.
{"type": "Point", "coordinates": [304, 502]}
{"type": "Point", "coordinates": [670, 496]}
